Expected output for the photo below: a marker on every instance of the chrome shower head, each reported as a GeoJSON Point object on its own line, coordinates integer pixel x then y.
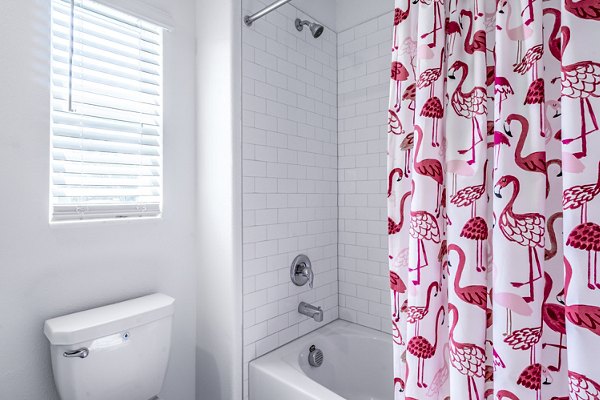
{"type": "Point", "coordinates": [316, 29]}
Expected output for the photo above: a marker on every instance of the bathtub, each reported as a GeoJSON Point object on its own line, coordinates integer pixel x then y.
{"type": "Point", "coordinates": [357, 366]}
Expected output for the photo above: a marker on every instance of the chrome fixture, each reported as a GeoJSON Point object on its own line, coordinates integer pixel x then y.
{"type": "Point", "coordinates": [301, 271]}
{"type": "Point", "coordinates": [249, 19]}
{"type": "Point", "coordinates": [315, 356]}
{"type": "Point", "coordinates": [79, 353]}
{"type": "Point", "coordinates": [316, 29]}
{"type": "Point", "coordinates": [311, 311]}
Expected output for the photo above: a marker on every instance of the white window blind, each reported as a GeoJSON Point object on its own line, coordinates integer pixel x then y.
{"type": "Point", "coordinates": [106, 113]}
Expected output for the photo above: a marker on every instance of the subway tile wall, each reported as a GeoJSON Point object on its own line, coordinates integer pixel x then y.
{"type": "Point", "coordinates": [364, 57]}
{"type": "Point", "coordinates": [289, 177]}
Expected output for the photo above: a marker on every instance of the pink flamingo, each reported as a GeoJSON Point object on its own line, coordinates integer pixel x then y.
{"type": "Point", "coordinates": [529, 62]}
{"type": "Point", "coordinates": [498, 363]}
{"type": "Point", "coordinates": [551, 105]}
{"type": "Point", "coordinates": [581, 315]}
{"type": "Point", "coordinates": [397, 334]}
{"type": "Point", "coordinates": [525, 339]}
{"type": "Point", "coordinates": [456, 168]}
{"type": "Point", "coordinates": [441, 376]}
{"type": "Point", "coordinates": [428, 167]}
{"type": "Point", "coordinates": [506, 394]}
{"type": "Point", "coordinates": [476, 229]}
{"type": "Point", "coordinates": [553, 316]}
{"type": "Point", "coordinates": [526, 230]}
{"type": "Point", "coordinates": [406, 146]}
{"type": "Point", "coordinates": [399, 74]}
{"type": "Point", "coordinates": [550, 253]}
{"type": "Point", "coordinates": [513, 303]}
{"type": "Point", "coordinates": [585, 9]}
{"type": "Point", "coordinates": [467, 358]}
{"type": "Point", "coordinates": [398, 287]}
{"type": "Point", "coordinates": [398, 381]}
{"type": "Point", "coordinates": [428, 77]}
{"type": "Point", "coordinates": [586, 237]}
{"type": "Point", "coordinates": [414, 314]}
{"type": "Point", "coordinates": [424, 52]}
{"type": "Point", "coordinates": [533, 162]}
{"type": "Point", "coordinates": [554, 42]}
{"type": "Point", "coordinates": [469, 195]}
{"type": "Point", "coordinates": [391, 175]}
{"type": "Point", "coordinates": [433, 109]}
{"type": "Point", "coordinates": [478, 42]}
{"type": "Point", "coordinates": [581, 80]}
{"type": "Point", "coordinates": [583, 387]}
{"type": "Point", "coordinates": [394, 123]}
{"type": "Point", "coordinates": [437, 16]}
{"type": "Point", "coordinates": [535, 95]}
{"type": "Point", "coordinates": [421, 348]}
{"type": "Point", "coordinates": [500, 139]}
{"type": "Point", "coordinates": [553, 250]}
{"type": "Point", "coordinates": [580, 195]}
{"type": "Point", "coordinates": [517, 34]}
{"type": "Point", "coordinates": [452, 29]}
{"type": "Point", "coordinates": [503, 89]}
{"type": "Point", "coordinates": [410, 94]}
{"type": "Point", "coordinates": [399, 17]}
{"type": "Point", "coordinates": [472, 294]}
{"type": "Point", "coordinates": [469, 105]}
{"type": "Point", "coordinates": [531, 378]}
{"type": "Point", "coordinates": [529, 7]}
{"type": "Point", "coordinates": [423, 226]}
{"type": "Point", "coordinates": [394, 227]}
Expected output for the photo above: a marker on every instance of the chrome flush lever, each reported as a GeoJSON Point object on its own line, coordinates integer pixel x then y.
{"type": "Point", "coordinates": [80, 353]}
{"type": "Point", "coordinates": [301, 271]}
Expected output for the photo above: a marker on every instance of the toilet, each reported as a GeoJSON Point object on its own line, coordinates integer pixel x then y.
{"type": "Point", "coordinates": [116, 352]}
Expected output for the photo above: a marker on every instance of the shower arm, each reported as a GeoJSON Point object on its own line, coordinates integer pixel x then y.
{"type": "Point", "coordinates": [249, 19]}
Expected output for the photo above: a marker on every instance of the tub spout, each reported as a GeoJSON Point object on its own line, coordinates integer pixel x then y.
{"type": "Point", "coordinates": [313, 312]}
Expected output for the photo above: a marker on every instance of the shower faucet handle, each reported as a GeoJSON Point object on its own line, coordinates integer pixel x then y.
{"type": "Point", "coordinates": [301, 271]}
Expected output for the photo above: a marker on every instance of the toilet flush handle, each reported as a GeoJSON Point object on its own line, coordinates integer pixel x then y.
{"type": "Point", "coordinates": [81, 353]}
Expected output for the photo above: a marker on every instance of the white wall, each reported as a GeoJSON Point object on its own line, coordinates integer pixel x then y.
{"type": "Point", "coordinates": [290, 177]}
{"type": "Point", "coordinates": [219, 347]}
{"type": "Point", "coordinates": [350, 13]}
{"type": "Point", "coordinates": [323, 11]}
{"type": "Point", "coordinates": [364, 59]}
{"type": "Point", "coordinates": [46, 271]}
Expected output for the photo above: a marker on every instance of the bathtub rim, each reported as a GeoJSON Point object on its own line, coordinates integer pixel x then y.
{"type": "Point", "coordinates": [273, 364]}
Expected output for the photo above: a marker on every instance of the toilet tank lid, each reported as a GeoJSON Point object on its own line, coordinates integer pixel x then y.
{"type": "Point", "coordinates": [102, 321]}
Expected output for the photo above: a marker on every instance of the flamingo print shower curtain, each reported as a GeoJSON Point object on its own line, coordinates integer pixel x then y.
{"type": "Point", "coordinates": [493, 199]}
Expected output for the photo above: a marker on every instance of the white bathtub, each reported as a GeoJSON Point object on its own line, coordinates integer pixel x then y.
{"type": "Point", "coordinates": [357, 366]}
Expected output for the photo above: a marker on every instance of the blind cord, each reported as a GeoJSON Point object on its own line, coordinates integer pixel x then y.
{"type": "Point", "coordinates": [71, 51]}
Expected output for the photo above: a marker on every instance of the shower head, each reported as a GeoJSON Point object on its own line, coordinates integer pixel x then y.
{"type": "Point", "coordinates": [316, 29]}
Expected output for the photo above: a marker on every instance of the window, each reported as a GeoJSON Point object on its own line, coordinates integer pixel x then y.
{"type": "Point", "coordinates": [106, 113]}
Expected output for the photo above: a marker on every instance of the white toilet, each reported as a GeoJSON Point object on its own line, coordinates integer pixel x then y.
{"type": "Point", "coordinates": [116, 352]}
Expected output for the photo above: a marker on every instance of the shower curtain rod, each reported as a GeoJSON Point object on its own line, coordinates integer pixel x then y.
{"type": "Point", "coordinates": [249, 19]}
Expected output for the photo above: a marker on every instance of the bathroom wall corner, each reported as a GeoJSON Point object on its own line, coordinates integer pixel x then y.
{"type": "Point", "coordinates": [219, 256]}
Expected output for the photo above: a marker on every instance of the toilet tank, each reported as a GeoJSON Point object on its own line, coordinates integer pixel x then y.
{"type": "Point", "coordinates": [116, 352]}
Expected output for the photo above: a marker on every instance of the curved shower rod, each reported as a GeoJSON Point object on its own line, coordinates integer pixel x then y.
{"type": "Point", "coordinates": [249, 19]}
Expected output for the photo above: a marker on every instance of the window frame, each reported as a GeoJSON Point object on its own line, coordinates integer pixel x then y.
{"type": "Point", "coordinates": [123, 210]}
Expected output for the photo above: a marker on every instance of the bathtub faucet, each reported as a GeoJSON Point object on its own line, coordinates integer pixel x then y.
{"type": "Point", "coordinates": [313, 312]}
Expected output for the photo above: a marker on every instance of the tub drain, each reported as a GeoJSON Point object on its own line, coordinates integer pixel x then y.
{"type": "Point", "coordinates": [315, 356]}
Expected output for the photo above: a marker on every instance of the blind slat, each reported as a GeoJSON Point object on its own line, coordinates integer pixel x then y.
{"type": "Point", "coordinates": [86, 168]}
{"type": "Point", "coordinates": [106, 113]}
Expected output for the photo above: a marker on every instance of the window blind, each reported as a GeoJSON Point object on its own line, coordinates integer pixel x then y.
{"type": "Point", "coordinates": [106, 113]}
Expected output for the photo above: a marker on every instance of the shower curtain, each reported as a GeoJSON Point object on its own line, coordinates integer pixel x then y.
{"type": "Point", "coordinates": [493, 206]}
